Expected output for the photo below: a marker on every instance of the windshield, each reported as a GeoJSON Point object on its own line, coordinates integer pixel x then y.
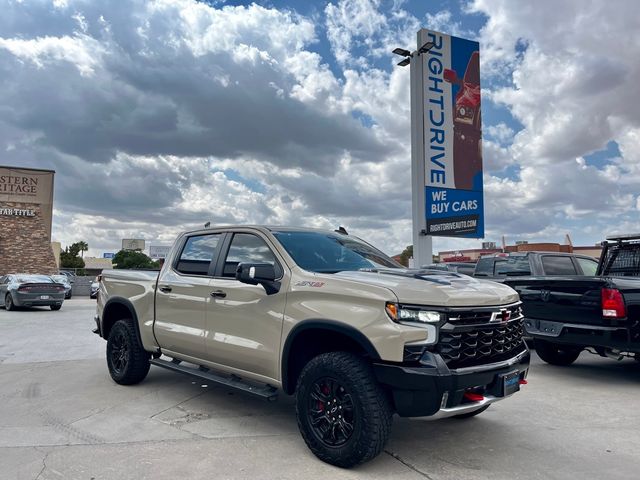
{"type": "Point", "coordinates": [59, 278]}
{"type": "Point", "coordinates": [325, 252]}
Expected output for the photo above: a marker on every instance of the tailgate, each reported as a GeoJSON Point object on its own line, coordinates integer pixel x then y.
{"type": "Point", "coordinates": [562, 299]}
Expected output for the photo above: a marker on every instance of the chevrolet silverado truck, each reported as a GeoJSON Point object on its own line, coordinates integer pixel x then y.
{"type": "Point", "coordinates": [599, 313]}
{"type": "Point", "coordinates": [321, 315]}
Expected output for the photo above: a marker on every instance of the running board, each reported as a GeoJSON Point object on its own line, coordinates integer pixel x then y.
{"type": "Point", "coordinates": [267, 391]}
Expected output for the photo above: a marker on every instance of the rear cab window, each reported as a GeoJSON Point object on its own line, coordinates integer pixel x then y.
{"type": "Point", "coordinates": [517, 265]}
{"type": "Point", "coordinates": [589, 267]}
{"type": "Point", "coordinates": [197, 254]}
{"type": "Point", "coordinates": [484, 267]}
{"type": "Point", "coordinates": [558, 265]}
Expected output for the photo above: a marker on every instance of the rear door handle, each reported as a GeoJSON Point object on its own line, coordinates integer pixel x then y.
{"type": "Point", "coordinates": [165, 288]}
{"type": "Point", "coordinates": [218, 294]}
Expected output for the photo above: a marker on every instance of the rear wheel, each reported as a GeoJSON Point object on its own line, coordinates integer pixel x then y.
{"type": "Point", "coordinates": [127, 361]}
{"type": "Point", "coordinates": [8, 303]}
{"type": "Point", "coordinates": [556, 354]}
{"type": "Point", "coordinates": [343, 414]}
{"type": "Point", "coordinates": [56, 307]}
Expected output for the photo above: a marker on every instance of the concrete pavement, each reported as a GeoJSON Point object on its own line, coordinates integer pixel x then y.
{"type": "Point", "coordinates": [62, 416]}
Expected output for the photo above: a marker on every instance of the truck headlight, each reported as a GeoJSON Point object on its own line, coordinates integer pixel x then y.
{"type": "Point", "coordinates": [413, 315]}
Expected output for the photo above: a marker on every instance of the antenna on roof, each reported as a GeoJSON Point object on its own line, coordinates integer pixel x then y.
{"type": "Point", "coordinates": [342, 230]}
{"type": "Point", "coordinates": [207, 225]}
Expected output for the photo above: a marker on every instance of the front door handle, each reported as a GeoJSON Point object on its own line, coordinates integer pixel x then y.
{"type": "Point", "coordinates": [218, 294]}
{"type": "Point", "coordinates": [165, 288]}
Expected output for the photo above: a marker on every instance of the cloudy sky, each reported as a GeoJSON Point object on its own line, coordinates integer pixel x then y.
{"type": "Point", "coordinates": [161, 115]}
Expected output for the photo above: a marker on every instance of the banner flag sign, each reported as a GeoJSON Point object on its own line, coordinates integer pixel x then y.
{"type": "Point", "coordinates": [452, 137]}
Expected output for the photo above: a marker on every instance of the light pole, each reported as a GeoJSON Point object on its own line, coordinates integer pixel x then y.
{"type": "Point", "coordinates": [422, 245]}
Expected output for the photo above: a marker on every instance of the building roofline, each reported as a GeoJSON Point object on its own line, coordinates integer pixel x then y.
{"type": "Point", "coordinates": [10, 167]}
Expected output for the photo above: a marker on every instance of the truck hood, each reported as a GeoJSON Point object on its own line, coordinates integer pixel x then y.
{"type": "Point", "coordinates": [445, 289]}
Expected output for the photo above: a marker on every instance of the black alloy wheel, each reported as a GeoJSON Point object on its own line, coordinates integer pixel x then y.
{"type": "Point", "coordinates": [331, 412]}
{"type": "Point", "coordinates": [8, 303]}
{"type": "Point", "coordinates": [343, 413]}
{"type": "Point", "coordinates": [127, 360]}
{"type": "Point", "coordinates": [119, 353]}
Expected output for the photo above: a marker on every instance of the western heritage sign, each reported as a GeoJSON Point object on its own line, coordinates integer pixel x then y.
{"type": "Point", "coordinates": [27, 186]}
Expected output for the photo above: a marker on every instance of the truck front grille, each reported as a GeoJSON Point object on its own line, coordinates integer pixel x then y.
{"type": "Point", "coordinates": [465, 347]}
{"type": "Point", "coordinates": [484, 315]}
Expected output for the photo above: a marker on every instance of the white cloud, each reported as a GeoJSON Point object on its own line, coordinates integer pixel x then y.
{"type": "Point", "coordinates": [80, 50]}
{"type": "Point", "coordinates": [161, 115]}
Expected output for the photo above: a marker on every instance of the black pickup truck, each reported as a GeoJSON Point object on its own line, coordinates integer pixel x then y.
{"type": "Point", "coordinates": [527, 264]}
{"type": "Point", "coordinates": [600, 313]}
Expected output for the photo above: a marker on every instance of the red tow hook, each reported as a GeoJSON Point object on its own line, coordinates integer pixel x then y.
{"type": "Point", "coordinates": [473, 397]}
{"type": "Point", "coordinates": [522, 381]}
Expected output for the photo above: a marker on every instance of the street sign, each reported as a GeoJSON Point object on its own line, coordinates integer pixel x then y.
{"type": "Point", "coordinates": [452, 137]}
{"type": "Point", "coordinates": [108, 255]}
{"type": "Point", "coordinates": [446, 146]}
{"type": "Point", "coordinates": [158, 251]}
{"type": "Point", "coordinates": [132, 244]}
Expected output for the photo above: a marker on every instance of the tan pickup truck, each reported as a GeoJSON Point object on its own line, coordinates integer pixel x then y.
{"type": "Point", "coordinates": [324, 316]}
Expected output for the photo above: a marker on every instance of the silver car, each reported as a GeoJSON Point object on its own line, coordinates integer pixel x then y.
{"type": "Point", "coordinates": [26, 290]}
{"type": "Point", "coordinates": [64, 280]}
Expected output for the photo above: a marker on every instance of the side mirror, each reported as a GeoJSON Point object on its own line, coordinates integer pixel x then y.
{"type": "Point", "coordinates": [451, 76]}
{"type": "Point", "coordinates": [258, 274]}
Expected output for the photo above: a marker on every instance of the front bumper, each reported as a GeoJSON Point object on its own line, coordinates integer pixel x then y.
{"type": "Point", "coordinates": [431, 389]}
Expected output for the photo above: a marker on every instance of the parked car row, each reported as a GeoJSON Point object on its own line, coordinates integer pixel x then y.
{"type": "Point", "coordinates": [26, 290]}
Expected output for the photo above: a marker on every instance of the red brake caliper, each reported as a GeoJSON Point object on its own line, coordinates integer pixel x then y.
{"type": "Point", "coordinates": [325, 390]}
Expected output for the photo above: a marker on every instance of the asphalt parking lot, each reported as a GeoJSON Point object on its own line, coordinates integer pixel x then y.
{"type": "Point", "coordinates": [62, 416]}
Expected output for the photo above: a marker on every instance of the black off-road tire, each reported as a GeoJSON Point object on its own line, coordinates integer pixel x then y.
{"type": "Point", "coordinates": [8, 303]}
{"type": "Point", "coordinates": [556, 354]}
{"type": "Point", "coordinates": [127, 361]}
{"type": "Point", "coordinates": [55, 307]}
{"type": "Point", "coordinates": [371, 409]}
{"type": "Point", "coordinates": [462, 416]}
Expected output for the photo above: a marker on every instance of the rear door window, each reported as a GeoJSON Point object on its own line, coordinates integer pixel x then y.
{"type": "Point", "coordinates": [558, 265]}
{"type": "Point", "coordinates": [197, 254]}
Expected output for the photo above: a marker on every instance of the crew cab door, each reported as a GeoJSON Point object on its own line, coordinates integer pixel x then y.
{"type": "Point", "coordinates": [244, 324]}
{"type": "Point", "coordinates": [182, 294]}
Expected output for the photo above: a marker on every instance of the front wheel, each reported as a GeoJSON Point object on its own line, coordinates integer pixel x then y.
{"type": "Point", "coordinates": [127, 361]}
{"type": "Point", "coordinates": [343, 414]}
{"type": "Point", "coordinates": [8, 303]}
{"type": "Point", "coordinates": [556, 354]}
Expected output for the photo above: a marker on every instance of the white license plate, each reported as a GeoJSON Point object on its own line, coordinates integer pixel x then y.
{"type": "Point", "coordinates": [44, 297]}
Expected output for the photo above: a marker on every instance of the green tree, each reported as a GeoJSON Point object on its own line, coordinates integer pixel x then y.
{"type": "Point", "coordinates": [406, 254]}
{"type": "Point", "coordinates": [83, 246]}
{"type": "Point", "coordinates": [69, 257]}
{"type": "Point", "coordinates": [129, 259]}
